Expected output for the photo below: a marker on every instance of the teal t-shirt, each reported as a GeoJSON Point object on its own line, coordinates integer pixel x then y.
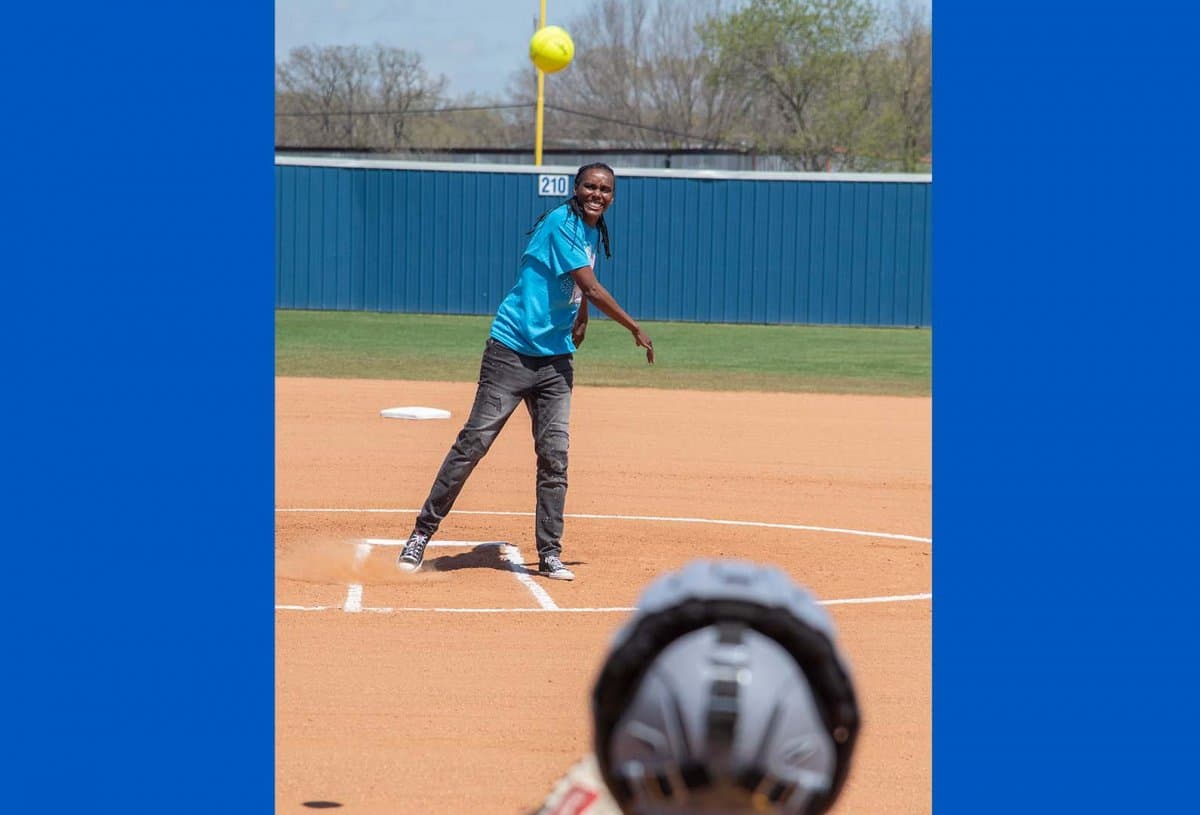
{"type": "Point", "coordinates": [536, 315]}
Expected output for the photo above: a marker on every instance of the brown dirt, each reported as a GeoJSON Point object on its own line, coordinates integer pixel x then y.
{"type": "Point", "coordinates": [427, 712]}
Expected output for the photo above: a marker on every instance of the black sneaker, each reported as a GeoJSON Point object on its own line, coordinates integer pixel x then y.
{"type": "Point", "coordinates": [554, 569]}
{"type": "Point", "coordinates": [414, 552]}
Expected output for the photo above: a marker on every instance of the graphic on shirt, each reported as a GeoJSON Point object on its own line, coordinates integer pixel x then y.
{"type": "Point", "coordinates": [569, 282]}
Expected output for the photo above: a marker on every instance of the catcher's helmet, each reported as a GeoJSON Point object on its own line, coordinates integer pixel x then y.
{"type": "Point", "coordinates": [725, 694]}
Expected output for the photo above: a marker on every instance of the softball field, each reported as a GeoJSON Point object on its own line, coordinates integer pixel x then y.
{"type": "Point", "coordinates": [464, 688]}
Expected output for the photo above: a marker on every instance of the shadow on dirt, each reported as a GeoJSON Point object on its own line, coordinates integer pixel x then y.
{"type": "Point", "coordinates": [483, 556]}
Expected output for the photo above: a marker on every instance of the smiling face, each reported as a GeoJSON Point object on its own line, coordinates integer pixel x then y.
{"type": "Point", "coordinates": [594, 192]}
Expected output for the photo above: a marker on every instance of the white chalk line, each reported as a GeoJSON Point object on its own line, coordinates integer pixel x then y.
{"type": "Point", "coordinates": [354, 591]}
{"type": "Point", "coordinates": [516, 565]}
{"type": "Point", "coordinates": [655, 518]}
{"type": "Point", "coordinates": [895, 598]}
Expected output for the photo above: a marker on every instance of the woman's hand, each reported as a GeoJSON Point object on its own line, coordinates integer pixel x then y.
{"type": "Point", "coordinates": [579, 329]}
{"type": "Point", "coordinates": [643, 341]}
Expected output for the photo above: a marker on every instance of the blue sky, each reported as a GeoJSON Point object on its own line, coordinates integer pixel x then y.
{"type": "Point", "coordinates": [476, 44]}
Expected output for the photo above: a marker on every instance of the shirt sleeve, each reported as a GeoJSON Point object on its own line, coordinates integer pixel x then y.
{"type": "Point", "coordinates": [567, 246]}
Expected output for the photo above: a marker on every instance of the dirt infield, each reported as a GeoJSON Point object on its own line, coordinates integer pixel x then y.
{"type": "Point", "coordinates": [462, 690]}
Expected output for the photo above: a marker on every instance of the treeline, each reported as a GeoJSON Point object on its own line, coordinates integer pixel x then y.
{"type": "Point", "coordinates": [822, 83]}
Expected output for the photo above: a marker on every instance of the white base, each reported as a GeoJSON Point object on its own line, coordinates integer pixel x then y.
{"type": "Point", "coordinates": [414, 413]}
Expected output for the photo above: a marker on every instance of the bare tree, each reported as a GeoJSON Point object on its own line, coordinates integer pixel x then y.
{"type": "Point", "coordinates": [351, 96]}
{"type": "Point", "coordinates": [469, 121]}
{"type": "Point", "coordinates": [683, 86]}
{"type": "Point", "coordinates": [640, 78]}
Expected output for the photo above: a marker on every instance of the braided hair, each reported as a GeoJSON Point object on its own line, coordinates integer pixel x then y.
{"type": "Point", "coordinates": [573, 204]}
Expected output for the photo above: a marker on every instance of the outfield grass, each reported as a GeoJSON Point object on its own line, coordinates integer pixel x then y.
{"type": "Point", "coordinates": [702, 356]}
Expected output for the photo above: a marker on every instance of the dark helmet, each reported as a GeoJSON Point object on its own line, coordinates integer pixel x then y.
{"type": "Point", "coordinates": [725, 694]}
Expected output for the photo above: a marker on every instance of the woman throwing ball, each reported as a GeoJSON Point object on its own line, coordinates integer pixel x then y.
{"type": "Point", "coordinates": [529, 358]}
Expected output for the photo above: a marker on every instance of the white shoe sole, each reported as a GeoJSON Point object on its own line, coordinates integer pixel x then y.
{"type": "Point", "coordinates": [562, 574]}
{"type": "Point", "coordinates": [408, 567]}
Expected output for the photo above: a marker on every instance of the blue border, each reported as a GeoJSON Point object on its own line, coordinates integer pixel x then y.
{"type": "Point", "coordinates": [138, 275]}
{"type": "Point", "coordinates": [138, 416]}
{"type": "Point", "coordinates": [1065, 420]}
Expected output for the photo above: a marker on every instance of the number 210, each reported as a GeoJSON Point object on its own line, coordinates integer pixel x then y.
{"type": "Point", "coordinates": [557, 185]}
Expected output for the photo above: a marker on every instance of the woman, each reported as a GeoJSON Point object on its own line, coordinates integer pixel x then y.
{"type": "Point", "coordinates": [529, 358]}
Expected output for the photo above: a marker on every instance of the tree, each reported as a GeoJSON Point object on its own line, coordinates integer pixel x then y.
{"type": "Point", "coordinates": [825, 84]}
{"type": "Point", "coordinates": [906, 79]}
{"type": "Point", "coordinates": [802, 64]}
{"type": "Point", "coordinates": [639, 79]}
{"type": "Point", "coordinates": [351, 96]}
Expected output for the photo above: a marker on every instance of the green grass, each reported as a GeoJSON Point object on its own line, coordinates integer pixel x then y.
{"type": "Point", "coordinates": [701, 356]}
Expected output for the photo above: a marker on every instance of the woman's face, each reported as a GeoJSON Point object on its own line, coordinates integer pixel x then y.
{"type": "Point", "coordinates": [594, 192]}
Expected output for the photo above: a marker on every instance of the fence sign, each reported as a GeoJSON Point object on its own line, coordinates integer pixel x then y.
{"type": "Point", "coordinates": [558, 186]}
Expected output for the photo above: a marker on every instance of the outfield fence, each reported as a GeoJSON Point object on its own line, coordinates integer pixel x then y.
{"type": "Point", "coordinates": [691, 246]}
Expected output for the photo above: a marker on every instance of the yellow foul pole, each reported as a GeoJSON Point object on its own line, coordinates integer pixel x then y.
{"type": "Point", "coordinates": [541, 96]}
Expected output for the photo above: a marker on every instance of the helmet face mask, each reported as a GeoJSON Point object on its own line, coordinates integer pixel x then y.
{"type": "Point", "coordinates": [735, 705]}
{"type": "Point", "coordinates": [725, 695]}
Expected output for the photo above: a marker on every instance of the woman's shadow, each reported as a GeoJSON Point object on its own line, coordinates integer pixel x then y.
{"type": "Point", "coordinates": [487, 555]}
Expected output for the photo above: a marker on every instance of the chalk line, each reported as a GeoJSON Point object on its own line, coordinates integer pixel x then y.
{"type": "Point", "coordinates": [556, 609]}
{"type": "Point", "coordinates": [655, 518]}
{"type": "Point", "coordinates": [516, 564]}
